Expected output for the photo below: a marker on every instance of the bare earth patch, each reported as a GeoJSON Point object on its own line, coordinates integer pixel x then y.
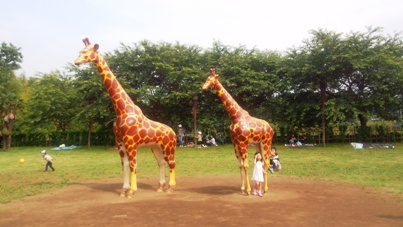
{"type": "Point", "coordinates": [208, 201]}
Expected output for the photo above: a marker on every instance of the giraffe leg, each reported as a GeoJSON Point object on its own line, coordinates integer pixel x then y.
{"type": "Point", "coordinates": [266, 162]}
{"type": "Point", "coordinates": [130, 182]}
{"type": "Point", "coordinates": [126, 175]}
{"type": "Point", "coordinates": [169, 152]}
{"type": "Point", "coordinates": [124, 161]}
{"type": "Point", "coordinates": [245, 188]}
{"type": "Point", "coordinates": [248, 188]}
{"type": "Point", "coordinates": [242, 173]}
{"type": "Point", "coordinates": [266, 147]}
{"type": "Point", "coordinates": [238, 154]}
{"type": "Point", "coordinates": [131, 154]}
{"type": "Point", "coordinates": [266, 167]}
{"type": "Point", "coordinates": [133, 185]}
{"type": "Point", "coordinates": [246, 168]}
{"type": "Point", "coordinates": [242, 154]}
{"type": "Point", "coordinates": [172, 165]}
{"type": "Point", "coordinates": [172, 181]}
{"type": "Point", "coordinates": [162, 165]}
{"type": "Point", "coordinates": [243, 181]}
{"type": "Point", "coordinates": [266, 183]}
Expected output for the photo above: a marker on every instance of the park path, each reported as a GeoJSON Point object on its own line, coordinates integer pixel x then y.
{"type": "Point", "coordinates": [208, 201]}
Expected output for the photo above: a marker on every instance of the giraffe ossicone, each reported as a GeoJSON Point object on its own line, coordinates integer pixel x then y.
{"type": "Point", "coordinates": [132, 129]}
{"type": "Point", "coordinates": [244, 130]}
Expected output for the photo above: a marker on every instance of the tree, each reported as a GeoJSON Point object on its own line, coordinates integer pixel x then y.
{"type": "Point", "coordinates": [372, 75]}
{"type": "Point", "coordinates": [355, 76]}
{"type": "Point", "coordinates": [50, 107]}
{"type": "Point", "coordinates": [96, 110]}
{"type": "Point", "coordinates": [10, 57]}
{"type": "Point", "coordinates": [321, 67]}
{"type": "Point", "coordinates": [160, 78]}
{"type": "Point", "coordinates": [249, 75]}
{"type": "Point", "coordinates": [330, 79]}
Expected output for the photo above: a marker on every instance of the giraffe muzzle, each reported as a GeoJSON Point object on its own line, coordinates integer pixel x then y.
{"type": "Point", "coordinates": [78, 62]}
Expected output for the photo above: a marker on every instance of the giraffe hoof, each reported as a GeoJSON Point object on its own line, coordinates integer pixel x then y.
{"type": "Point", "coordinates": [130, 194]}
{"type": "Point", "coordinates": [161, 187]}
{"type": "Point", "coordinates": [123, 193]}
{"type": "Point", "coordinates": [245, 192]}
{"type": "Point", "coordinates": [170, 190]}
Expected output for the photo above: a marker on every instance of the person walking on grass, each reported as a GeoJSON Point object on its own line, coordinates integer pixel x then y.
{"type": "Point", "coordinates": [48, 159]}
{"type": "Point", "coordinates": [258, 174]}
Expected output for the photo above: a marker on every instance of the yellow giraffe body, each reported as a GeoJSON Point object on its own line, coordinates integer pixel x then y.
{"type": "Point", "coordinates": [244, 130]}
{"type": "Point", "coordinates": [132, 129]}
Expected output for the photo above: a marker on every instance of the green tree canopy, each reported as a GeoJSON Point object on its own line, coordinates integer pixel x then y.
{"type": "Point", "coordinates": [330, 79]}
{"type": "Point", "coordinates": [10, 88]}
{"type": "Point", "coordinates": [52, 103]}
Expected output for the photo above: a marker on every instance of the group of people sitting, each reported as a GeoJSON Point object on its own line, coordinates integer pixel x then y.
{"type": "Point", "coordinates": [293, 142]}
{"type": "Point", "coordinates": [210, 140]}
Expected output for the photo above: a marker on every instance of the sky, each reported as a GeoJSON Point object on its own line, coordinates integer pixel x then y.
{"type": "Point", "coordinates": [50, 32]}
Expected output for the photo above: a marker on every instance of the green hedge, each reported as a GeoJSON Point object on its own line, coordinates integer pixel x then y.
{"type": "Point", "coordinates": [342, 134]}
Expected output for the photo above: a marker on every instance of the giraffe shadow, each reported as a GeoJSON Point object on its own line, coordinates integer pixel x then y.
{"type": "Point", "coordinates": [115, 187]}
{"type": "Point", "coordinates": [215, 190]}
{"type": "Point", "coordinates": [391, 217]}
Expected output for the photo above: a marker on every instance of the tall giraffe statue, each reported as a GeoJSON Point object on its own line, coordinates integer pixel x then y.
{"type": "Point", "coordinates": [244, 130]}
{"type": "Point", "coordinates": [132, 129]}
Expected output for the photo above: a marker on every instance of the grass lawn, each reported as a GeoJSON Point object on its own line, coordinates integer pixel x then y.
{"type": "Point", "coordinates": [380, 168]}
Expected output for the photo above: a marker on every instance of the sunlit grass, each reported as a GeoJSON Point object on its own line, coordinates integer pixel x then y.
{"type": "Point", "coordinates": [382, 168]}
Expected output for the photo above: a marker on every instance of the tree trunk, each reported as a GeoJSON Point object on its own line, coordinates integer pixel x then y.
{"type": "Point", "coordinates": [194, 113]}
{"type": "Point", "coordinates": [363, 120]}
{"type": "Point", "coordinates": [5, 138]}
{"type": "Point", "coordinates": [90, 125]}
{"type": "Point", "coordinates": [322, 106]}
{"type": "Point", "coordinates": [8, 129]}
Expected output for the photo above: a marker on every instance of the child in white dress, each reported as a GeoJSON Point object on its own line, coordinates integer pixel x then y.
{"type": "Point", "coordinates": [258, 174]}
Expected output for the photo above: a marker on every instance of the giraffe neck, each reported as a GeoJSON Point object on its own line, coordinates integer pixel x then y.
{"type": "Point", "coordinates": [121, 101]}
{"type": "Point", "coordinates": [235, 111]}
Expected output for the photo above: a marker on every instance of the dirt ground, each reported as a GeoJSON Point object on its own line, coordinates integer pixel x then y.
{"type": "Point", "coordinates": [208, 201]}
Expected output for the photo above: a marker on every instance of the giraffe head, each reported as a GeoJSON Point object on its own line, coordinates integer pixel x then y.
{"type": "Point", "coordinates": [211, 80]}
{"type": "Point", "coordinates": [88, 53]}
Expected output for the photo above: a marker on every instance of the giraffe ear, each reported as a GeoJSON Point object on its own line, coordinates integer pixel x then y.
{"type": "Point", "coordinates": [96, 46]}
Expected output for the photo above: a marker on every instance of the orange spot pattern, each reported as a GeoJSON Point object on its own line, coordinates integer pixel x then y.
{"type": "Point", "coordinates": [132, 128]}
{"type": "Point", "coordinates": [244, 129]}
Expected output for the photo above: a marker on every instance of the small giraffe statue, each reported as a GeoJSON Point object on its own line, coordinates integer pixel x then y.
{"type": "Point", "coordinates": [244, 130]}
{"type": "Point", "coordinates": [132, 129]}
